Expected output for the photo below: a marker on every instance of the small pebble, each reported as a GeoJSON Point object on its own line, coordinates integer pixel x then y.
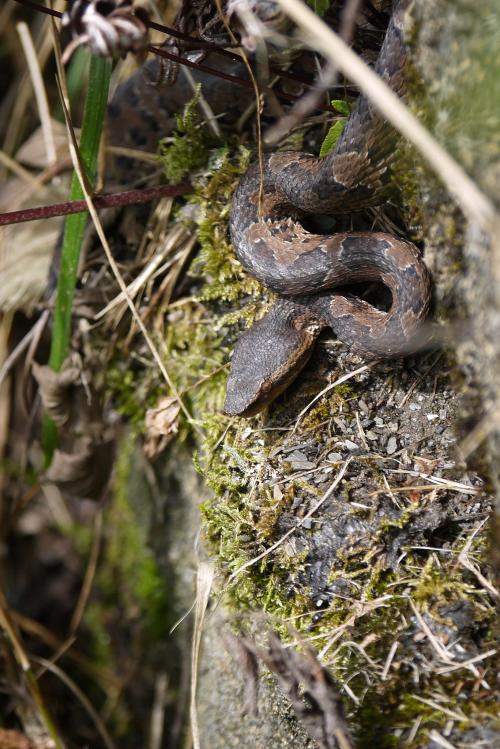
{"type": "Point", "coordinates": [334, 457]}
{"type": "Point", "coordinates": [299, 461]}
{"type": "Point", "coordinates": [392, 445]}
{"type": "Point", "coordinates": [323, 476]}
{"type": "Point", "coordinates": [277, 493]}
{"type": "Point", "coordinates": [340, 423]}
{"type": "Point", "coordinates": [351, 445]}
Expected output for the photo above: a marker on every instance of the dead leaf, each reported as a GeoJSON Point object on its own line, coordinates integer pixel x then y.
{"type": "Point", "coordinates": [83, 463]}
{"type": "Point", "coordinates": [33, 151]}
{"type": "Point", "coordinates": [86, 470]}
{"type": "Point", "coordinates": [162, 425]}
{"type": "Point", "coordinates": [56, 390]}
{"type": "Point", "coordinates": [26, 249]}
{"type": "Point", "coordinates": [14, 740]}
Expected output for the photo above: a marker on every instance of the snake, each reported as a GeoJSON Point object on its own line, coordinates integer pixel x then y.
{"type": "Point", "coordinates": [309, 272]}
{"type": "Point", "coordinates": [307, 269]}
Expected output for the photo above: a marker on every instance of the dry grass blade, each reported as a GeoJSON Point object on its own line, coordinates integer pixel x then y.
{"type": "Point", "coordinates": [23, 89]}
{"type": "Point", "coordinates": [440, 740]}
{"type": "Point", "coordinates": [22, 659]}
{"type": "Point", "coordinates": [442, 708]}
{"type": "Point", "coordinates": [472, 201]}
{"type": "Point", "coordinates": [5, 401]}
{"type": "Point", "coordinates": [82, 697]}
{"type": "Point", "coordinates": [40, 95]}
{"type": "Point", "coordinates": [436, 644]}
{"type": "Point", "coordinates": [326, 80]}
{"type": "Point", "coordinates": [258, 101]}
{"type": "Point", "coordinates": [174, 239]}
{"type": "Point", "coordinates": [89, 573]}
{"type": "Point", "coordinates": [417, 488]}
{"type": "Point", "coordinates": [389, 660]}
{"type": "Point", "coordinates": [16, 168]}
{"type": "Point", "coordinates": [466, 562]}
{"type": "Point", "coordinates": [23, 344]}
{"type": "Point", "coordinates": [468, 663]}
{"type": "Point", "coordinates": [107, 679]}
{"type": "Point", "coordinates": [158, 712]}
{"type": "Point", "coordinates": [204, 580]}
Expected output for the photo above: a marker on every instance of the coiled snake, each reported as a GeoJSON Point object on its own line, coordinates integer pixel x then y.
{"type": "Point", "coordinates": [306, 269]}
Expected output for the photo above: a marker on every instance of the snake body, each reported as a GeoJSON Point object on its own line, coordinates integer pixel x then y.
{"type": "Point", "coordinates": [305, 269]}
{"type": "Point", "coordinates": [273, 246]}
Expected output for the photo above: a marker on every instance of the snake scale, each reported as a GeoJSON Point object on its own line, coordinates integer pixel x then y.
{"type": "Point", "coordinates": [307, 270]}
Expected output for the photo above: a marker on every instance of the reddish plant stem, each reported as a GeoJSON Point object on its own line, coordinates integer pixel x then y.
{"type": "Point", "coordinates": [100, 201]}
{"type": "Point", "coordinates": [226, 76]}
{"type": "Point", "coordinates": [203, 44]}
{"type": "Point", "coordinates": [41, 8]}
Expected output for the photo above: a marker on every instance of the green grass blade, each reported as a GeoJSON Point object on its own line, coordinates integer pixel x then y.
{"type": "Point", "coordinates": [93, 119]}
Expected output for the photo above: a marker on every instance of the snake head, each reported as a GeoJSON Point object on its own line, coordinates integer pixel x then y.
{"type": "Point", "coordinates": [269, 356]}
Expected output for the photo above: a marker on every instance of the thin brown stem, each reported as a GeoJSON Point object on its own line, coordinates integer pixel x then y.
{"type": "Point", "coordinates": [102, 201]}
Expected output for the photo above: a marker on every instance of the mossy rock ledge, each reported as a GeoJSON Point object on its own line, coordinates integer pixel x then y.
{"type": "Point", "coordinates": [388, 579]}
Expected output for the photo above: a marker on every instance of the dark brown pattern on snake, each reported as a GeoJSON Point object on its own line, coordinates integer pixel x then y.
{"type": "Point", "coordinates": [275, 248]}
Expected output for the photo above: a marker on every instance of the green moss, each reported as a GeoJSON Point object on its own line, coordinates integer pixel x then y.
{"type": "Point", "coordinates": [95, 622]}
{"type": "Point", "coordinates": [186, 150]}
{"type": "Point", "coordinates": [133, 392]}
{"type": "Point", "coordinates": [128, 574]}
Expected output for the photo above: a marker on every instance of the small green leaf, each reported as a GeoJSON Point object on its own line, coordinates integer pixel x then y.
{"type": "Point", "coordinates": [319, 6]}
{"type": "Point", "coordinates": [332, 137]}
{"type": "Point", "coordinates": [341, 106]}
